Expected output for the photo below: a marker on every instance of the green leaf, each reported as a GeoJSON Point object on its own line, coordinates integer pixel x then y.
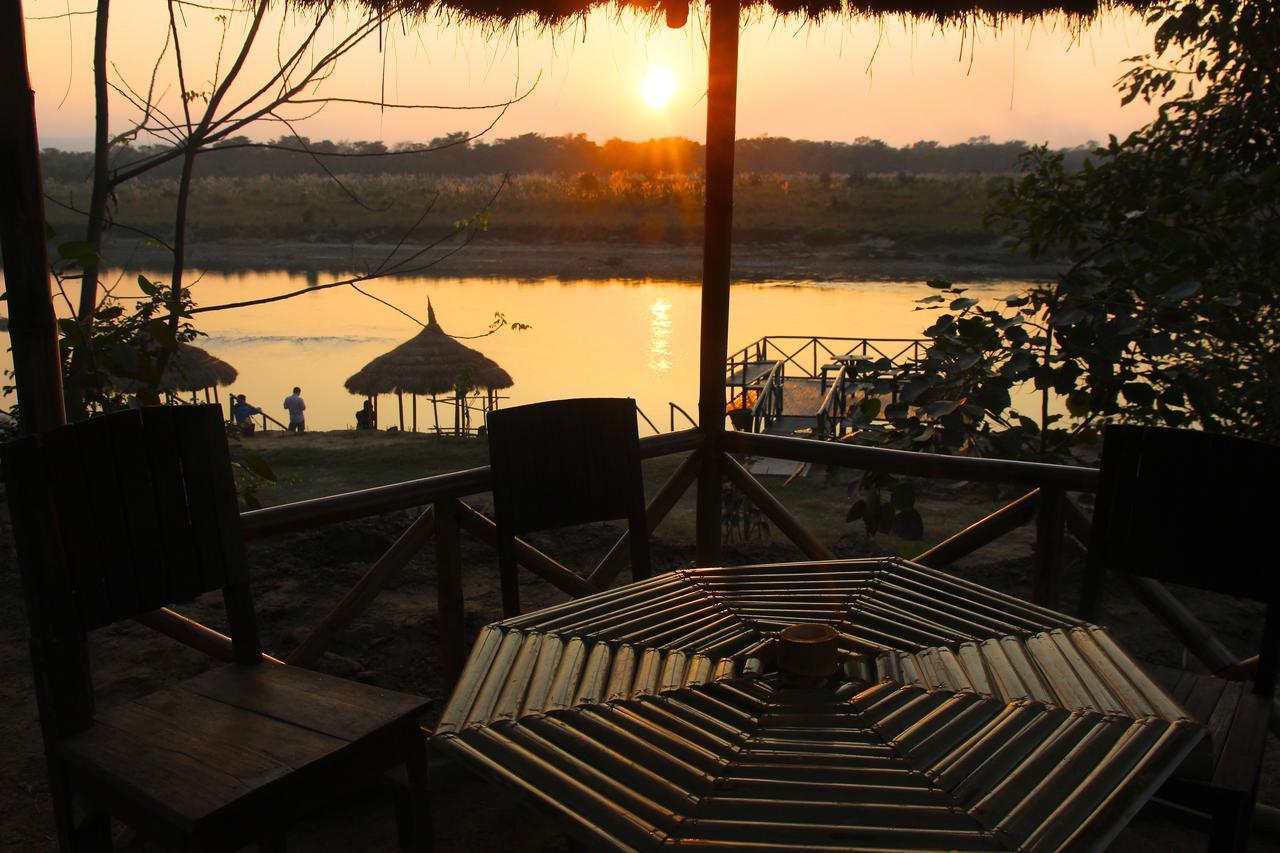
{"type": "Point", "coordinates": [1079, 403]}
{"type": "Point", "coordinates": [908, 525]}
{"type": "Point", "coordinates": [1067, 317]}
{"type": "Point", "coordinates": [869, 407]}
{"type": "Point", "coordinates": [77, 251]}
{"type": "Point", "coordinates": [259, 466]}
{"type": "Point", "coordinates": [147, 286]}
{"type": "Point", "coordinates": [856, 511]}
{"type": "Point", "coordinates": [941, 408]}
{"type": "Point", "coordinates": [938, 284]}
{"type": "Point", "coordinates": [159, 330]}
{"type": "Point", "coordinates": [963, 303]}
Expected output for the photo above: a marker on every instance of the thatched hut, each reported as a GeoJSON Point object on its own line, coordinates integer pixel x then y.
{"type": "Point", "coordinates": [190, 369]}
{"type": "Point", "coordinates": [433, 364]}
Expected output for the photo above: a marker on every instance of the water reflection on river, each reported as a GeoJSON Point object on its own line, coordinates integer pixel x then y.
{"type": "Point", "coordinates": [588, 338]}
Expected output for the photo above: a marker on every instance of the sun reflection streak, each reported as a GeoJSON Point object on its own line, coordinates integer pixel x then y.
{"type": "Point", "coordinates": [660, 337]}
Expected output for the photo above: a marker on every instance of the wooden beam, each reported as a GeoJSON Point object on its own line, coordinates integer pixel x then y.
{"type": "Point", "coordinates": [365, 591]}
{"type": "Point", "coordinates": [1070, 478]}
{"type": "Point", "coordinates": [528, 556]}
{"type": "Point", "coordinates": [192, 634]}
{"type": "Point", "coordinates": [450, 604]}
{"type": "Point", "coordinates": [1047, 590]}
{"type": "Point", "coordinates": [775, 511]}
{"type": "Point", "coordinates": [983, 532]}
{"type": "Point", "coordinates": [661, 504]}
{"type": "Point", "coordinates": [722, 98]}
{"type": "Point", "coordinates": [33, 330]}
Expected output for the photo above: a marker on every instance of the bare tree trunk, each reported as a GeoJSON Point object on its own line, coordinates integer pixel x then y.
{"type": "Point", "coordinates": [82, 357]}
{"type": "Point", "coordinates": [33, 330]}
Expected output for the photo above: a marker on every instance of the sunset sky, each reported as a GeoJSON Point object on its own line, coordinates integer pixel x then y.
{"type": "Point", "coordinates": [841, 80]}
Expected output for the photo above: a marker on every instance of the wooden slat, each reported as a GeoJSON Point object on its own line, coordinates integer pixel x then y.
{"type": "Point", "coordinates": [74, 530]}
{"type": "Point", "coordinates": [162, 457]}
{"type": "Point", "coordinates": [335, 707]}
{"type": "Point", "coordinates": [146, 557]}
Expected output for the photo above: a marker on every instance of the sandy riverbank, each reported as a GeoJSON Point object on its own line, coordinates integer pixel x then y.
{"type": "Point", "coordinates": [571, 261]}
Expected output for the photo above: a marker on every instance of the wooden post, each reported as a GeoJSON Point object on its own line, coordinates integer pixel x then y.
{"type": "Point", "coordinates": [722, 94]}
{"type": "Point", "coordinates": [1049, 521]}
{"type": "Point", "coordinates": [450, 606]}
{"type": "Point", "coordinates": [33, 330]}
{"type": "Point", "coordinates": [415, 412]}
{"type": "Point", "coordinates": [435, 414]}
{"type": "Point", "coordinates": [400, 403]}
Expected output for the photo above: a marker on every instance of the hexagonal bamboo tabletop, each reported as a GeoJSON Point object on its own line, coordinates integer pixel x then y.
{"type": "Point", "coordinates": [961, 718]}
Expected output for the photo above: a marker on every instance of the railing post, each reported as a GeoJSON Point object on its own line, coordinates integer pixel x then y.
{"type": "Point", "coordinates": [450, 610]}
{"type": "Point", "coordinates": [1049, 528]}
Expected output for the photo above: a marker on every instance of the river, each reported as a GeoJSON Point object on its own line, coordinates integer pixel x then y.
{"type": "Point", "coordinates": [586, 338]}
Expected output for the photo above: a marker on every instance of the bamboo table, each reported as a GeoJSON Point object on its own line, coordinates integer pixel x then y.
{"type": "Point", "coordinates": [961, 718]}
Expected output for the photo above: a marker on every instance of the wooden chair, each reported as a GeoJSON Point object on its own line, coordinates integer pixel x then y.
{"type": "Point", "coordinates": [561, 463]}
{"type": "Point", "coordinates": [116, 517]}
{"type": "Point", "coordinates": [1188, 507]}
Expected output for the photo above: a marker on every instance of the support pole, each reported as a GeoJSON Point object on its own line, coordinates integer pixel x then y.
{"type": "Point", "coordinates": [400, 403]}
{"type": "Point", "coordinates": [722, 94]}
{"type": "Point", "coordinates": [33, 329]}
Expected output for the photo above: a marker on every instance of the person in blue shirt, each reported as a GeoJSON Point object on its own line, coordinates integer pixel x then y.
{"type": "Point", "coordinates": [243, 414]}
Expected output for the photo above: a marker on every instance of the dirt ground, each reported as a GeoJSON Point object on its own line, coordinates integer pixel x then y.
{"type": "Point", "coordinates": [394, 644]}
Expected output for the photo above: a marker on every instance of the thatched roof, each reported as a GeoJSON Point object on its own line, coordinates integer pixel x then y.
{"type": "Point", "coordinates": [430, 362]}
{"type": "Point", "coordinates": [676, 11]}
{"type": "Point", "coordinates": [189, 369]}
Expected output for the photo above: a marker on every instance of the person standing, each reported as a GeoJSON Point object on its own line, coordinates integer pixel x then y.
{"type": "Point", "coordinates": [295, 405]}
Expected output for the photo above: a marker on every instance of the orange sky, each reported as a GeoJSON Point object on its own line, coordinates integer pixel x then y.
{"type": "Point", "coordinates": [838, 81]}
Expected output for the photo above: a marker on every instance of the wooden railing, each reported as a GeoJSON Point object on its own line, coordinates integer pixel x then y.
{"type": "Point", "coordinates": [444, 515]}
{"type": "Point", "coordinates": [808, 354]}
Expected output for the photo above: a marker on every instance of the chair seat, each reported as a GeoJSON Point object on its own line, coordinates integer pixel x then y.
{"type": "Point", "coordinates": [238, 744]}
{"type": "Point", "coordinates": [1236, 718]}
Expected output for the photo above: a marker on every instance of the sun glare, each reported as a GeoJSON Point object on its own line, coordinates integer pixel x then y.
{"type": "Point", "coordinates": [658, 86]}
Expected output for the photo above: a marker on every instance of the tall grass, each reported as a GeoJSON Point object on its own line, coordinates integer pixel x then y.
{"type": "Point", "coordinates": [817, 209]}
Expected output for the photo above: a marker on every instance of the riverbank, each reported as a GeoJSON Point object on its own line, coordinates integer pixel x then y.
{"type": "Point", "coordinates": [879, 260]}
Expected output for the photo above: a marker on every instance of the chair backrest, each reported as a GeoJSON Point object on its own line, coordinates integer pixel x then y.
{"type": "Point", "coordinates": [125, 513]}
{"type": "Point", "coordinates": [1185, 507]}
{"type": "Point", "coordinates": [567, 462]}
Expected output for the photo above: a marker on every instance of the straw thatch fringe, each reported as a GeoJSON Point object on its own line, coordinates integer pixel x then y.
{"type": "Point", "coordinates": [431, 362]}
{"type": "Point", "coordinates": [189, 369]}
{"type": "Point", "coordinates": [501, 12]}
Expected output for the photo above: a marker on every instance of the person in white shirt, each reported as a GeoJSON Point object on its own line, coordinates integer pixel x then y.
{"type": "Point", "coordinates": [295, 405]}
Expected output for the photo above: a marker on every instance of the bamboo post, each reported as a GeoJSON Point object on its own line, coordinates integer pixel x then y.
{"type": "Point", "coordinates": [400, 403]}
{"type": "Point", "coordinates": [654, 513]}
{"type": "Point", "coordinates": [415, 412]}
{"type": "Point", "coordinates": [722, 94]}
{"type": "Point", "coordinates": [450, 605]}
{"type": "Point", "coordinates": [983, 532]}
{"type": "Point", "coordinates": [365, 591]}
{"type": "Point", "coordinates": [1049, 522]}
{"type": "Point", "coordinates": [528, 556]}
{"type": "Point", "coordinates": [33, 330]}
{"type": "Point", "coordinates": [435, 414]}
{"type": "Point", "coordinates": [192, 634]}
{"type": "Point", "coordinates": [775, 511]}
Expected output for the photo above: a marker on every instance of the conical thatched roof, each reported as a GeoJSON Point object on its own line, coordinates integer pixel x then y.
{"type": "Point", "coordinates": [430, 362]}
{"type": "Point", "coordinates": [189, 369]}
{"type": "Point", "coordinates": [676, 11]}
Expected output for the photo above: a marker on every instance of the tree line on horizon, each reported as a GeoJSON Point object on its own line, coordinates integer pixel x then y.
{"type": "Point", "coordinates": [458, 155]}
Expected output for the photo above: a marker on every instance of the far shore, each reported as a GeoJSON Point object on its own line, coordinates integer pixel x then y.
{"type": "Point", "coordinates": [489, 258]}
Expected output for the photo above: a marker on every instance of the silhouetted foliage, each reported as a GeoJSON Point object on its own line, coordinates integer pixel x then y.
{"type": "Point", "coordinates": [453, 155]}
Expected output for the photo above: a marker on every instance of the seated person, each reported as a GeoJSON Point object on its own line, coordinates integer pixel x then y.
{"type": "Point", "coordinates": [243, 414]}
{"type": "Point", "coordinates": [365, 418]}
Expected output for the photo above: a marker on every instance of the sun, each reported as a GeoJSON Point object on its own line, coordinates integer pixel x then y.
{"type": "Point", "coordinates": [658, 86]}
